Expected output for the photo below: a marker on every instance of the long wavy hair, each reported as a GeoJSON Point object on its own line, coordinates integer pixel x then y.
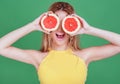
{"type": "Point", "coordinates": [73, 40]}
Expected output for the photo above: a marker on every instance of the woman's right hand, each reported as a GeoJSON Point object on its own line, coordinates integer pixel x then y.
{"type": "Point", "coordinates": [36, 24]}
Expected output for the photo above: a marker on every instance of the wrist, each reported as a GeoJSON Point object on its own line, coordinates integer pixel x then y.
{"type": "Point", "coordinates": [32, 27]}
{"type": "Point", "coordinates": [90, 30]}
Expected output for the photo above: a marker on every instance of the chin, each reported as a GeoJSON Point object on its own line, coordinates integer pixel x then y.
{"type": "Point", "coordinates": [60, 43]}
{"type": "Point", "coordinates": [60, 38]}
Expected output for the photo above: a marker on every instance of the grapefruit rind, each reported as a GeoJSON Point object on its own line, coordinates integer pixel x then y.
{"type": "Point", "coordinates": [51, 29]}
{"type": "Point", "coordinates": [78, 24]}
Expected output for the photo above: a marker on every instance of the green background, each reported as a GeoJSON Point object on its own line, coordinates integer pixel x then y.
{"type": "Point", "coordinates": [104, 14]}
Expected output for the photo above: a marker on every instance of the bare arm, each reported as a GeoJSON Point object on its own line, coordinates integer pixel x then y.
{"type": "Point", "coordinates": [112, 37]}
{"type": "Point", "coordinates": [105, 51]}
{"type": "Point", "coordinates": [27, 56]}
{"type": "Point", "coordinates": [100, 52]}
{"type": "Point", "coordinates": [13, 36]}
{"type": "Point", "coordinates": [15, 53]}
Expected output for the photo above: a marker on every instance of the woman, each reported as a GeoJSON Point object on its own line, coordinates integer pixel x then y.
{"type": "Point", "coordinates": [60, 60]}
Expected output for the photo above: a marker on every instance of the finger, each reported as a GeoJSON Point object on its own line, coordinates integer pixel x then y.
{"type": "Point", "coordinates": [50, 12]}
{"type": "Point", "coordinates": [79, 18]}
{"type": "Point", "coordinates": [39, 18]}
{"type": "Point", "coordinates": [72, 34]}
{"type": "Point", "coordinates": [47, 32]}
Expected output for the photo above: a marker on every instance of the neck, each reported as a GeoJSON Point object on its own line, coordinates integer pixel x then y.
{"type": "Point", "coordinates": [59, 47]}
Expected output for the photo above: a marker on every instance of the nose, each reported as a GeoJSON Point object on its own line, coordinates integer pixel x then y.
{"type": "Point", "coordinates": [60, 29]}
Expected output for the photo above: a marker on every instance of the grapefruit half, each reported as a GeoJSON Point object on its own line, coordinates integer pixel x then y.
{"type": "Point", "coordinates": [71, 24]}
{"type": "Point", "coordinates": [50, 22]}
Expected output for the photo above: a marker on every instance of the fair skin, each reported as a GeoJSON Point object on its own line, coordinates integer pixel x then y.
{"type": "Point", "coordinates": [35, 57]}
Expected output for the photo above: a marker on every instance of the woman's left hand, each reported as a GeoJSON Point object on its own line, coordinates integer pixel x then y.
{"type": "Point", "coordinates": [85, 26]}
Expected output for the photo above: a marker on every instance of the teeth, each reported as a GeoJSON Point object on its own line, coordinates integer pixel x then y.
{"type": "Point", "coordinates": [60, 36]}
{"type": "Point", "coordinates": [60, 33]}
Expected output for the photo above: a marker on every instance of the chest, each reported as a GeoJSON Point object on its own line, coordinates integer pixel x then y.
{"type": "Point", "coordinates": [62, 66]}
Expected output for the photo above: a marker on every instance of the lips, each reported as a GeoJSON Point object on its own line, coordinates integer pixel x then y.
{"type": "Point", "coordinates": [60, 35]}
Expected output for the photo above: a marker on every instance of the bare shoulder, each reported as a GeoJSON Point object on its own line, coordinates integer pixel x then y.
{"type": "Point", "coordinates": [85, 53]}
{"type": "Point", "coordinates": [37, 55]}
{"type": "Point", "coordinates": [98, 52]}
{"type": "Point", "coordinates": [33, 52]}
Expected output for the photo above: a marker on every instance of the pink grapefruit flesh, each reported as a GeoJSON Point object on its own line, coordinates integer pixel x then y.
{"type": "Point", "coordinates": [71, 24]}
{"type": "Point", "coordinates": [50, 22]}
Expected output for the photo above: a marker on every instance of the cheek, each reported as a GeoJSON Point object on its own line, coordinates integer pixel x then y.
{"type": "Point", "coordinates": [54, 37]}
{"type": "Point", "coordinates": [67, 37]}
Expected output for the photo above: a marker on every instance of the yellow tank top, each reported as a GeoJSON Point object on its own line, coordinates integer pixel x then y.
{"type": "Point", "coordinates": [62, 67]}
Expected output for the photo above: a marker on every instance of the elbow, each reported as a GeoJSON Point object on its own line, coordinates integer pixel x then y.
{"type": "Point", "coordinates": [1, 48]}
{"type": "Point", "coordinates": [119, 49]}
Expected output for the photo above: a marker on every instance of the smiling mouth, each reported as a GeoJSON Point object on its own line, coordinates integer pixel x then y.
{"type": "Point", "coordinates": [60, 35]}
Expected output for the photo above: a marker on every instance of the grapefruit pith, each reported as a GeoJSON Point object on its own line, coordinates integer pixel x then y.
{"type": "Point", "coordinates": [50, 22]}
{"type": "Point", "coordinates": [71, 24]}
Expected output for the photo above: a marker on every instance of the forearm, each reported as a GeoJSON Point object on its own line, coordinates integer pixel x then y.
{"type": "Point", "coordinates": [13, 36]}
{"type": "Point", "coordinates": [112, 37]}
